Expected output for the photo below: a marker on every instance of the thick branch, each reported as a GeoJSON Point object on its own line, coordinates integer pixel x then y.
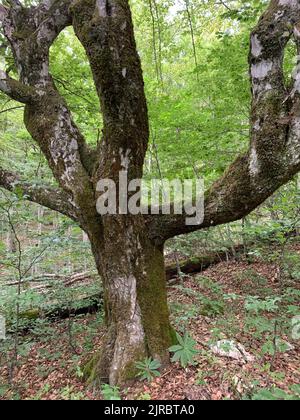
{"type": "Point", "coordinates": [274, 154]}
{"type": "Point", "coordinates": [16, 90]}
{"type": "Point", "coordinates": [46, 196]}
{"type": "Point", "coordinates": [105, 29]}
{"type": "Point", "coordinates": [231, 198]}
{"type": "Point", "coordinates": [31, 32]}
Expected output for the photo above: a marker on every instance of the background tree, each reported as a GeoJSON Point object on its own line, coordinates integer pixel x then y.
{"type": "Point", "coordinates": [133, 272]}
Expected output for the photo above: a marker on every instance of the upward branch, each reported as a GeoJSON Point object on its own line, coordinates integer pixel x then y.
{"type": "Point", "coordinates": [105, 29]}
{"type": "Point", "coordinates": [30, 33]}
{"type": "Point", "coordinates": [274, 154]}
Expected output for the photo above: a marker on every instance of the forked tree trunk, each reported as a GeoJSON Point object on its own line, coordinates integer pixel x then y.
{"type": "Point", "coordinates": [126, 248]}
{"type": "Point", "coordinates": [135, 299]}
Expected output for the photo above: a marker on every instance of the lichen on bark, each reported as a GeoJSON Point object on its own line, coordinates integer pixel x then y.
{"type": "Point", "coordinates": [128, 250]}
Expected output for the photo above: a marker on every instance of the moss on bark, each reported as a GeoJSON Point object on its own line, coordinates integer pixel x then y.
{"type": "Point", "coordinates": [152, 296]}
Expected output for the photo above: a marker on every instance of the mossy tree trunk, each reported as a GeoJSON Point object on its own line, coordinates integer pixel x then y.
{"type": "Point", "coordinates": [135, 298]}
{"type": "Point", "coordinates": [128, 250]}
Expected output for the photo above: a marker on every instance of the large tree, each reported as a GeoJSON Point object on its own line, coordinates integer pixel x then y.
{"type": "Point", "coordinates": [128, 249]}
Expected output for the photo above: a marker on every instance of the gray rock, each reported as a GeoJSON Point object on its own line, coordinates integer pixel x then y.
{"type": "Point", "coordinates": [232, 350]}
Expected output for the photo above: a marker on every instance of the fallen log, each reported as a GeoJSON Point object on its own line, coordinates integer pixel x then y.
{"type": "Point", "coordinates": [201, 263]}
{"type": "Point", "coordinates": [91, 304]}
{"type": "Point", "coordinates": [48, 280]}
{"type": "Point", "coordinates": [177, 269]}
{"type": "Point", "coordinates": [84, 306]}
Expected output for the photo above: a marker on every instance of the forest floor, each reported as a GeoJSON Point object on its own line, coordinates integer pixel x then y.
{"type": "Point", "coordinates": [249, 303]}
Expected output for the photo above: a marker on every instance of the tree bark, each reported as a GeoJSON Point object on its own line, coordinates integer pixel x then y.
{"type": "Point", "coordinates": [135, 299]}
{"type": "Point", "coordinates": [128, 250]}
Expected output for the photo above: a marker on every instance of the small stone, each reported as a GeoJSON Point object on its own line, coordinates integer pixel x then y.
{"type": "Point", "coordinates": [232, 350]}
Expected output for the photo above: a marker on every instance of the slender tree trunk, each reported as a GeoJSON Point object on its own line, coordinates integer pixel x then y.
{"type": "Point", "coordinates": [135, 299]}
{"type": "Point", "coordinates": [11, 242]}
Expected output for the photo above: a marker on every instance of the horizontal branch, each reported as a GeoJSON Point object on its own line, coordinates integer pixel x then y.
{"type": "Point", "coordinates": [230, 199]}
{"type": "Point", "coordinates": [51, 198]}
{"type": "Point", "coordinates": [16, 90]}
{"type": "Point", "coordinates": [14, 108]}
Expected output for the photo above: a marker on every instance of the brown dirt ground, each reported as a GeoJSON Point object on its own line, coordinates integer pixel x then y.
{"type": "Point", "coordinates": [49, 371]}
